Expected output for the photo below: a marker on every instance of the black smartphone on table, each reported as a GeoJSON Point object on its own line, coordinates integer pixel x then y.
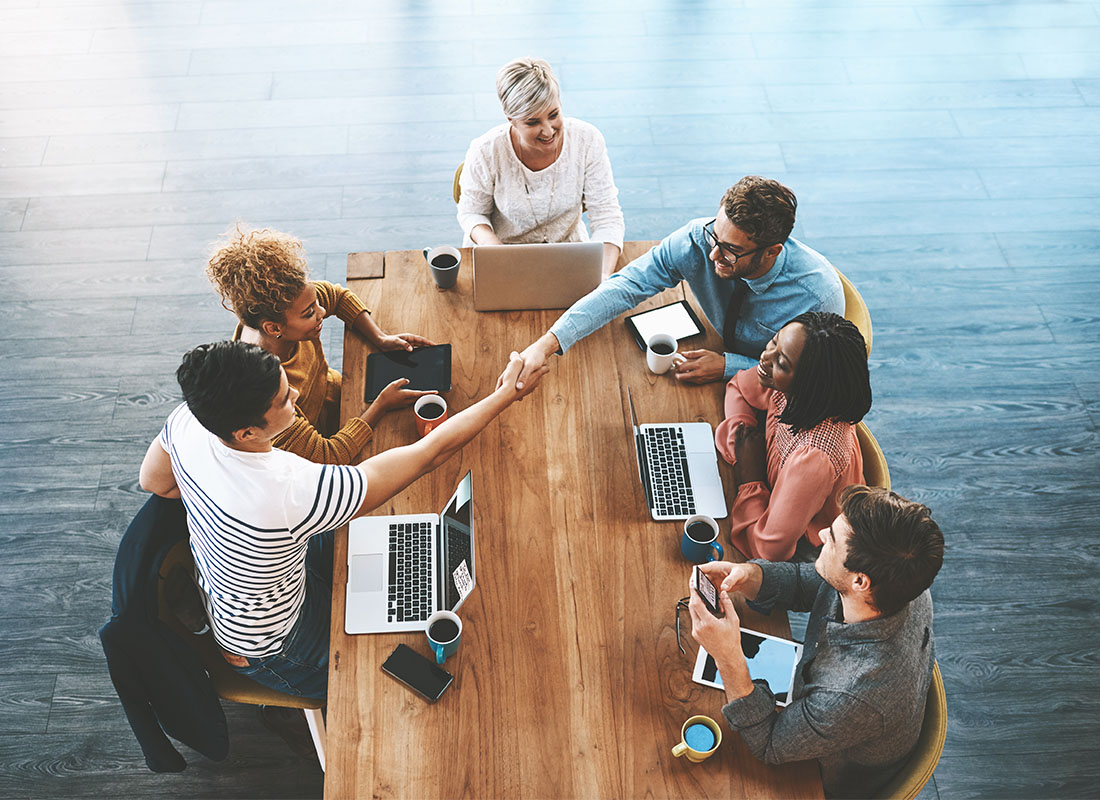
{"type": "Point", "coordinates": [417, 672]}
{"type": "Point", "coordinates": [707, 591]}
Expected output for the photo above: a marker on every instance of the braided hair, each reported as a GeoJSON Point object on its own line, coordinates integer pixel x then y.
{"type": "Point", "coordinates": [831, 381]}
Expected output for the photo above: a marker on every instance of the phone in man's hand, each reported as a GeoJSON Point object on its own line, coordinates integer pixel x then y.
{"type": "Point", "coordinates": [707, 591]}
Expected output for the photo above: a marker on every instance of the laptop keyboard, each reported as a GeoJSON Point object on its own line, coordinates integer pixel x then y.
{"type": "Point", "coordinates": [668, 472]}
{"type": "Point", "coordinates": [410, 590]}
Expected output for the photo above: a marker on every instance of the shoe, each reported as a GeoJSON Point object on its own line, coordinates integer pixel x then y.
{"type": "Point", "coordinates": [289, 724]}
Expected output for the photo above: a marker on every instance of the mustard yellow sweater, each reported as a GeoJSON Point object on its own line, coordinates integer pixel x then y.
{"type": "Point", "coordinates": [318, 407]}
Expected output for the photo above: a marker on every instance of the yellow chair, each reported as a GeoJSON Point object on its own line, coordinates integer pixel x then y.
{"type": "Point", "coordinates": [229, 684]}
{"type": "Point", "coordinates": [875, 471]}
{"type": "Point", "coordinates": [907, 784]}
{"type": "Point", "coordinates": [456, 190]}
{"type": "Point", "coordinates": [855, 310]}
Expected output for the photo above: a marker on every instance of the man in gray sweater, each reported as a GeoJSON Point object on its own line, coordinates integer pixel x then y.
{"type": "Point", "coordinates": [859, 691]}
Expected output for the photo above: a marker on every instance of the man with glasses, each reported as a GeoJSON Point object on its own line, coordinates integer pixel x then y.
{"type": "Point", "coordinates": [749, 276]}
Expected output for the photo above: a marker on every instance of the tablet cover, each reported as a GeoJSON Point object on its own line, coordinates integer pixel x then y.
{"type": "Point", "coordinates": [426, 368]}
{"type": "Point", "coordinates": [675, 318]}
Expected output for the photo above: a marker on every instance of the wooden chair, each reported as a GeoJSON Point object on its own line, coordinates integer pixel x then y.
{"type": "Point", "coordinates": [908, 783]}
{"type": "Point", "coordinates": [229, 684]}
{"type": "Point", "coordinates": [875, 471]}
{"type": "Point", "coordinates": [855, 310]}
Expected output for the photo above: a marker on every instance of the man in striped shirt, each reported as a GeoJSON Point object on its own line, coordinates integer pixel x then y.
{"type": "Point", "coordinates": [261, 520]}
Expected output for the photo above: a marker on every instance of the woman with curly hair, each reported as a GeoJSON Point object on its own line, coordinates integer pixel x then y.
{"type": "Point", "coordinates": [812, 381]}
{"type": "Point", "coordinates": [262, 277]}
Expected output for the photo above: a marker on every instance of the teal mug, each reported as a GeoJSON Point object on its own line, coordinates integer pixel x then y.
{"type": "Point", "coordinates": [444, 631]}
{"type": "Point", "coordinates": [699, 544]}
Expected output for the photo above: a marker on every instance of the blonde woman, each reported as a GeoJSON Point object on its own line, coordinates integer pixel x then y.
{"type": "Point", "coordinates": [261, 275]}
{"type": "Point", "coordinates": [526, 180]}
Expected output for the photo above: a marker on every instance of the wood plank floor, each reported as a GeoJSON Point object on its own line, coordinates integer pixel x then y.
{"type": "Point", "coordinates": [946, 157]}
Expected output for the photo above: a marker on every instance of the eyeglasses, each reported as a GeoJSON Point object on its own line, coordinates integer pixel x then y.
{"type": "Point", "coordinates": [681, 603]}
{"type": "Point", "coordinates": [725, 248]}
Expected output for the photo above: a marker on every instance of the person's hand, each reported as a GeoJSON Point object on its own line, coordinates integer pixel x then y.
{"type": "Point", "coordinates": [402, 341]}
{"type": "Point", "coordinates": [701, 366]}
{"type": "Point", "coordinates": [719, 637]}
{"type": "Point", "coordinates": [535, 358]}
{"type": "Point", "coordinates": [749, 452]}
{"type": "Point", "coordinates": [730, 577]}
{"type": "Point", "coordinates": [395, 395]}
{"type": "Point", "coordinates": [507, 382]}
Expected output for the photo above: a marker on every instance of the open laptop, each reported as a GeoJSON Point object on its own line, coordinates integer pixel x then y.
{"type": "Point", "coordinates": [678, 466]}
{"type": "Point", "coordinates": [404, 568]}
{"type": "Point", "coordinates": [511, 277]}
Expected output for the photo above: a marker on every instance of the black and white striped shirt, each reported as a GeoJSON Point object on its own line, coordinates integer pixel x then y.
{"type": "Point", "coordinates": [250, 516]}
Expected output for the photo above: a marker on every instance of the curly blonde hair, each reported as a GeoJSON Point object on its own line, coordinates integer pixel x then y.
{"type": "Point", "coordinates": [258, 273]}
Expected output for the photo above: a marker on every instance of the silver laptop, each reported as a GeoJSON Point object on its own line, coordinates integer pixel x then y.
{"type": "Point", "coordinates": [402, 569]}
{"type": "Point", "coordinates": [535, 276]}
{"type": "Point", "coordinates": [678, 466]}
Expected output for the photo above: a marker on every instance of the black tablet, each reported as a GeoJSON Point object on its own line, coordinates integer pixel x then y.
{"type": "Point", "coordinates": [426, 368]}
{"type": "Point", "coordinates": [675, 318]}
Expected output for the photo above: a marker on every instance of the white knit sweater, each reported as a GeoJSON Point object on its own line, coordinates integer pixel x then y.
{"type": "Point", "coordinates": [522, 205]}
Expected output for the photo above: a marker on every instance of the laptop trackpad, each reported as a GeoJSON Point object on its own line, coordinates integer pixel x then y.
{"type": "Point", "coordinates": [365, 573]}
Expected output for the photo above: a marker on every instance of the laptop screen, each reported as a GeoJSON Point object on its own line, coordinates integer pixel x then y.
{"type": "Point", "coordinates": [457, 545]}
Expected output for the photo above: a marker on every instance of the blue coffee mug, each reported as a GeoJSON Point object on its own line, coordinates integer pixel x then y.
{"type": "Point", "coordinates": [696, 551]}
{"type": "Point", "coordinates": [443, 650]}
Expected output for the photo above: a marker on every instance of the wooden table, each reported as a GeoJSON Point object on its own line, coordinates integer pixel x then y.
{"type": "Point", "coordinates": [568, 682]}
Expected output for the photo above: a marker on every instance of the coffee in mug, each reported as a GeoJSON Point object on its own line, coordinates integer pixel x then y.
{"type": "Point", "coordinates": [443, 263]}
{"type": "Point", "coordinates": [444, 632]}
{"type": "Point", "coordinates": [700, 532]}
{"type": "Point", "coordinates": [430, 410]}
{"type": "Point", "coordinates": [660, 353]}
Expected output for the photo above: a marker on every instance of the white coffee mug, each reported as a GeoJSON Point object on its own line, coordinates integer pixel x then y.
{"type": "Point", "coordinates": [660, 362]}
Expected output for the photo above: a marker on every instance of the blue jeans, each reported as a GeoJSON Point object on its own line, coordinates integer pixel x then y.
{"type": "Point", "coordinates": [301, 667]}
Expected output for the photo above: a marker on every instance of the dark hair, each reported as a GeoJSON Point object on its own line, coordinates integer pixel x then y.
{"type": "Point", "coordinates": [229, 385]}
{"type": "Point", "coordinates": [894, 542]}
{"type": "Point", "coordinates": [831, 380]}
{"type": "Point", "coordinates": [762, 208]}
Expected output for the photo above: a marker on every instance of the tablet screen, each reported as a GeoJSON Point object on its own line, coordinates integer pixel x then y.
{"type": "Point", "coordinates": [770, 659]}
{"type": "Point", "coordinates": [675, 318]}
{"type": "Point", "coordinates": [426, 368]}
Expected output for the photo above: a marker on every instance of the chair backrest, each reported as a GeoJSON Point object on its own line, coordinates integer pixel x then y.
{"type": "Point", "coordinates": [908, 783]}
{"type": "Point", "coordinates": [228, 683]}
{"type": "Point", "coordinates": [855, 310]}
{"type": "Point", "coordinates": [456, 190]}
{"type": "Point", "coordinates": [875, 471]}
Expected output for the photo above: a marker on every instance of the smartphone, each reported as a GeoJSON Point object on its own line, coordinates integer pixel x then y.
{"type": "Point", "coordinates": [707, 591]}
{"type": "Point", "coordinates": [417, 672]}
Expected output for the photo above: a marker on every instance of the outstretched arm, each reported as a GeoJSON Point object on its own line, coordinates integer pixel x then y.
{"type": "Point", "coordinates": [389, 472]}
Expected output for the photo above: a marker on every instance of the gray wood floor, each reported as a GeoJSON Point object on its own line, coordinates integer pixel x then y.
{"type": "Point", "coordinates": [946, 157]}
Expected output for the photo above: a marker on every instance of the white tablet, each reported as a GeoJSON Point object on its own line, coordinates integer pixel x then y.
{"type": "Point", "coordinates": [675, 318]}
{"type": "Point", "coordinates": [770, 659]}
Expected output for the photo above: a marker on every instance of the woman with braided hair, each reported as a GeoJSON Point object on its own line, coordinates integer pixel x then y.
{"type": "Point", "coordinates": [812, 382]}
{"type": "Point", "coordinates": [262, 277]}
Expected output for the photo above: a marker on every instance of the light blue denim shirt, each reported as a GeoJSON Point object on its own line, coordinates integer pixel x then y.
{"type": "Point", "coordinates": [801, 280]}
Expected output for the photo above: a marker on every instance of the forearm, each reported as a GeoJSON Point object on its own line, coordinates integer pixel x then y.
{"type": "Point", "coordinates": [366, 327]}
{"type": "Point", "coordinates": [610, 258]}
{"type": "Point", "coordinates": [450, 437]}
{"type": "Point", "coordinates": [483, 234]}
{"type": "Point", "coordinates": [735, 676]}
